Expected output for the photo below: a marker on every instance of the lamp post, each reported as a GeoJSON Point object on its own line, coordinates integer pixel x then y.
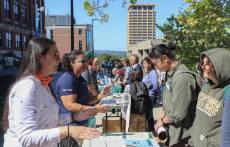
{"type": "Point", "coordinates": [40, 10]}
{"type": "Point", "coordinates": [21, 37]}
{"type": "Point", "coordinates": [72, 25]}
{"type": "Point", "coordinates": [92, 34]}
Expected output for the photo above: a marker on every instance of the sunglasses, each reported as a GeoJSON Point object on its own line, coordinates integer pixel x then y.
{"type": "Point", "coordinates": [82, 61]}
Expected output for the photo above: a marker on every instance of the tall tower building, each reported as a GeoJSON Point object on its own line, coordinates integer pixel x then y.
{"type": "Point", "coordinates": [141, 23]}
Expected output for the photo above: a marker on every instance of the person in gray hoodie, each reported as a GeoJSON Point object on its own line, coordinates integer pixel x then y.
{"type": "Point", "coordinates": [206, 127]}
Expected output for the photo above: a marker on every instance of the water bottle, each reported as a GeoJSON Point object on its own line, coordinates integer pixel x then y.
{"type": "Point", "coordinates": [92, 122]}
{"type": "Point", "coordinates": [106, 80]}
{"type": "Point", "coordinates": [161, 132]}
{"type": "Point", "coordinates": [110, 81]}
{"type": "Point", "coordinates": [127, 89]}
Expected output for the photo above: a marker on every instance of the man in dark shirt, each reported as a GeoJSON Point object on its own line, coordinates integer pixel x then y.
{"type": "Point", "coordinates": [135, 66]}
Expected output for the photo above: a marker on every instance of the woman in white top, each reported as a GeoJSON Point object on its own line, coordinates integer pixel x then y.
{"type": "Point", "coordinates": [33, 112]}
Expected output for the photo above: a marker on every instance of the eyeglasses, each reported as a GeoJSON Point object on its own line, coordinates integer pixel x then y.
{"type": "Point", "coordinates": [82, 61]}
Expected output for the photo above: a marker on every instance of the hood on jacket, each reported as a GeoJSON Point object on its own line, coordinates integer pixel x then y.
{"type": "Point", "coordinates": [220, 59]}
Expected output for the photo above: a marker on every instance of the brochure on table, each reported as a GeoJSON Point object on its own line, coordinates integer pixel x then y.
{"type": "Point", "coordinates": [113, 101]}
{"type": "Point", "coordinates": [131, 139]}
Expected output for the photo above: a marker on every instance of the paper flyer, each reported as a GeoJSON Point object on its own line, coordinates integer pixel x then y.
{"type": "Point", "coordinates": [128, 114]}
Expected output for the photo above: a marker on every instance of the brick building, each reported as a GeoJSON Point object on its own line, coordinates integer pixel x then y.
{"type": "Point", "coordinates": [18, 23]}
{"type": "Point", "coordinates": [58, 29]}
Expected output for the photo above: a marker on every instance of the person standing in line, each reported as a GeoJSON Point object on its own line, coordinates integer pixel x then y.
{"type": "Point", "coordinates": [127, 68]}
{"type": "Point", "coordinates": [178, 95]}
{"type": "Point", "coordinates": [206, 129]}
{"type": "Point", "coordinates": [150, 80]}
{"type": "Point", "coordinates": [30, 100]}
{"type": "Point", "coordinates": [135, 66]}
{"type": "Point", "coordinates": [95, 72]}
{"type": "Point", "coordinates": [89, 74]}
{"type": "Point", "coordinates": [161, 81]}
{"type": "Point", "coordinates": [140, 103]}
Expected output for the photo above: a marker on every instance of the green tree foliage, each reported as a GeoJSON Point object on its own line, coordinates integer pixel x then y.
{"type": "Point", "coordinates": [203, 25]}
{"type": "Point", "coordinates": [105, 57]}
{"type": "Point", "coordinates": [88, 7]}
{"type": "Point", "coordinates": [95, 6]}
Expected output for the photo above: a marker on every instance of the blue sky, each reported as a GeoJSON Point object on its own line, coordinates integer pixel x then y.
{"type": "Point", "coordinates": [113, 34]}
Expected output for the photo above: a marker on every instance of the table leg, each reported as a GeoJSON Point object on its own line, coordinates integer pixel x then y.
{"type": "Point", "coordinates": [121, 121]}
{"type": "Point", "coordinates": [106, 120]}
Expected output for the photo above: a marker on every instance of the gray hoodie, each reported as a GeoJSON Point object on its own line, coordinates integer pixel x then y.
{"type": "Point", "coordinates": [209, 110]}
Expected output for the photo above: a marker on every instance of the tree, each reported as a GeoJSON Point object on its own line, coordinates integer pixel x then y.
{"type": "Point", "coordinates": [106, 57]}
{"type": "Point", "coordinates": [203, 25]}
{"type": "Point", "coordinates": [96, 6]}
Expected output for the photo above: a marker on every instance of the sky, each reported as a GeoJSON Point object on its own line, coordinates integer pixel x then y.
{"type": "Point", "coordinates": [112, 35]}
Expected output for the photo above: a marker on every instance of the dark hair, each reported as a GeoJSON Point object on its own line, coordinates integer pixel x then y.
{"type": "Point", "coordinates": [29, 66]}
{"type": "Point", "coordinates": [118, 64]}
{"type": "Point", "coordinates": [201, 63]}
{"type": "Point", "coordinates": [135, 75]}
{"type": "Point", "coordinates": [148, 60]}
{"type": "Point", "coordinates": [163, 49]}
{"type": "Point", "coordinates": [201, 60]}
{"type": "Point", "coordinates": [69, 58]}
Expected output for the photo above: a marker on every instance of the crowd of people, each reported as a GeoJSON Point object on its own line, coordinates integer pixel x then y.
{"type": "Point", "coordinates": [53, 101]}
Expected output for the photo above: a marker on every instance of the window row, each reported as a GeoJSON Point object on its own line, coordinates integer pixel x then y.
{"type": "Point", "coordinates": [9, 40]}
{"type": "Point", "coordinates": [16, 9]}
{"type": "Point", "coordinates": [142, 7]}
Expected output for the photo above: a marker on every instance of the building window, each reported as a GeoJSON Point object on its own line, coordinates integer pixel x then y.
{"type": "Point", "coordinates": [18, 41]}
{"type": "Point", "coordinates": [51, 34]}
{"type": "Point", "coordinates": [7, 8]}
{"type": "Point", "coordinates": [80, 32]}
{"type": "Point", "coordinates": [1, 13]}
{"type": "Point", "coordinates": [150, 7]}
{"type": "Point", "coordinates": [24, 41]}
{"type": "Point", "coordinates": [80, 45]}
{"type": "Point", "coordinates": [24, 10]}
{"type": "Point", "coordinates": [8, 39]}
{"type": "Point", "coordinates": [16, 10]}
{"type": "Point", "coordinates": [0, 38]}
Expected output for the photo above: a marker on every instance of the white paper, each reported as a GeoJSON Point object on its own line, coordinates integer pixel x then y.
{"type": "Point", "coordinates": [105, 141]}
{"type": "Point", "coordinates": [137, 136]}
{"type": "Point", "coordinates": [118, 141]}
{"type": "Point", "coordinates": [128, 115]}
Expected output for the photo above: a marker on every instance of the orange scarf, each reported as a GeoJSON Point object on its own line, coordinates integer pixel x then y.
{"type": "Point", "coordinates": [45, 80]}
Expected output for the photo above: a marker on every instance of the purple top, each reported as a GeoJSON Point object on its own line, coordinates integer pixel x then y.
{"type": "Point", "coordinates": [150, 80]}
